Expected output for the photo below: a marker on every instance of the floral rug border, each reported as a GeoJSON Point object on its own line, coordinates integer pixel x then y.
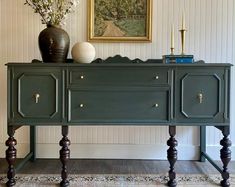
{"type": "Point", "coordinates": [118, 179]}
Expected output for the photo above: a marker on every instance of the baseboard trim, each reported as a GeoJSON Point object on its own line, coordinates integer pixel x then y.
{"type": "Point", "coordinates": [212, 150]}
{"type": "Point", "coordinates": [117, 151]}
{"type": "Point", "coordinates": [126, 151]}
{"type": "Point", "coordinates": [22, 150]}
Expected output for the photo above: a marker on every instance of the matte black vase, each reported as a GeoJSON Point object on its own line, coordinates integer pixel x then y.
{"type": "Point", "coordinates": [53, 44]}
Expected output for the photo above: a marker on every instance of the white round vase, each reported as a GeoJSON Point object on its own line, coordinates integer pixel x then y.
{"type": "Point", "coordinates": [83, 52]}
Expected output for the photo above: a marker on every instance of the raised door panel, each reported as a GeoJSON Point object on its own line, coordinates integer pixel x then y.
{"type": "Point", "coordinates": [37, 95]}
{"type": "Point", "coordinates": [200, 95]}
{"type": "Point", "coordinates": [115, 106]}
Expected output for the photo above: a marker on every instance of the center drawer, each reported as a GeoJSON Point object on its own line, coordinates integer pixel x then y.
{"type": "Point", "coordinates": [118, 76]}
{"type": "Point", "coordinates": [109, 106]}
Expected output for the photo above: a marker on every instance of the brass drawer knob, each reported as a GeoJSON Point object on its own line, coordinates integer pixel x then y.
{"type": "Point", "coordinates": [200, 97]}
{"type": "Point", "coordinates": [82, 77]}
{"type": "Point", "coordinates": [156, 105]}
{"type": "Point", "coordinates": [156, 77]}
{"type": "Point", "coordinates": [36, 97]}
{"type": "Point", "coordinates": [81, 105]}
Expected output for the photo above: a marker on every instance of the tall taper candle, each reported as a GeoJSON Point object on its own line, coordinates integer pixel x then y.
{"type": "Point", "coordinates": [172, 36]}
{"type": "Point", "coordinates": [183, 21]}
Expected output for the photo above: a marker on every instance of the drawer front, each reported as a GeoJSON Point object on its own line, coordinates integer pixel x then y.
{"type": "Point", "coordinates": [201, 96]}
{"type": "Point", "coordinates": [37, 96]}
{"type": "Point", "coordinates": [117, 75]}
{"type": "Point", "coordinates": [112, 106]}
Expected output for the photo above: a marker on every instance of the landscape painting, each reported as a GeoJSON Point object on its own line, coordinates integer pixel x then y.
{"type": "Point", "coordinates": [119, 20]}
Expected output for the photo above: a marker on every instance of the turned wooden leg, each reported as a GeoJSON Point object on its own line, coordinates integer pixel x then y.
{"type": "Point", "coordinates": [172, 156]}
{"type": "Point", "coordinates": [11, 156]}
{"type": "Point", "coordinates": [225, 155]}
{"type": "Point", "coordinates": [64, 156]}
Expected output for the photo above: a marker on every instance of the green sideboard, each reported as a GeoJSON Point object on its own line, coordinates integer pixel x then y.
{"type": "Point", "coordinates": [148, 93]}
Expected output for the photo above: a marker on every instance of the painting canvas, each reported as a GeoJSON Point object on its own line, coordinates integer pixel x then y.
{"type": "Point", "coordinates": [119, 20]}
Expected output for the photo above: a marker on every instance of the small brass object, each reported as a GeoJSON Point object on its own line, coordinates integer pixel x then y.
{"type": "Point", "coordinates": [182, 31]}
{"type": "Point", "coordinates": [156, 105]}
{"type": "Point", "coordinates": [157, 77]}
{"type": "Point", "coordinates": [82, 77]}
{"type": "Point", "coordinates": [200, 97]}
{"type": "Point", "coordinates": [172, 39]}
{"type": "Point", "coordinates": [36, 96]}
{"type": "Point", "coordinates": [81, 105]}
{"type": "Point", "coordinates": [172, 50]}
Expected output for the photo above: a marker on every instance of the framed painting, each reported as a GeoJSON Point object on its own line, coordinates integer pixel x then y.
{"type": "Point", "coordinates": [120, 20]}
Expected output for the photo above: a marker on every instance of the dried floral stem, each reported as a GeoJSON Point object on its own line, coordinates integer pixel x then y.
{"type": "Point", "coordinates": [52, 11]}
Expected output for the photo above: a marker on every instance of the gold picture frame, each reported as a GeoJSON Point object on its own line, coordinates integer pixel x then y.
{"type": "Point", "coordinates": [112, 21]}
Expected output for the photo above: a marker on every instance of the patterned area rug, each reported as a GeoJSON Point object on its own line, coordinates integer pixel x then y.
{"type": "Point", "coordinates": [117, 180]}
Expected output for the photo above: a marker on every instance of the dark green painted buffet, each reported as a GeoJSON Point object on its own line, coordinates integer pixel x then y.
{"type": "Point", "coordinates": [134, 93]}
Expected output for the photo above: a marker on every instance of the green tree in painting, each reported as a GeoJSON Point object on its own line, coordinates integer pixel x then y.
{"type": "Point", "coordinates": [127, 15]}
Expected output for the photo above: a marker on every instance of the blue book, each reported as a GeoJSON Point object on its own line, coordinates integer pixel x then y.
{"type": "Point", "coordinates": [179, 59]}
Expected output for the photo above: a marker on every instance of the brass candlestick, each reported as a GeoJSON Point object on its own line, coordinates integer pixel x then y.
{"type": "Point", "coordinates": [182, 31]}
{"type": "Point", "coordinates": [172, 50]}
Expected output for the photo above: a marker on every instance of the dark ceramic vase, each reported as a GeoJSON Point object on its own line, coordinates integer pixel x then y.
{"type": "Point", "coordinates": [53, 44]}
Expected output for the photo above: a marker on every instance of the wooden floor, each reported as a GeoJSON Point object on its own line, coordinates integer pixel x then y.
{"type": "Point", "coordinates": [84, 166]}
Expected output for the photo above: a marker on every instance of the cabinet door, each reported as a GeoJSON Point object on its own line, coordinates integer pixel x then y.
{"type": "Point", "coordinates": [200, 95]}
{"type": "Point", "coordinates": [36, 95]}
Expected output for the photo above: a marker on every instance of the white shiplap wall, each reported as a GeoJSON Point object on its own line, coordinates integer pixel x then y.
{"type": "Point", "coordinates": [210, 36]}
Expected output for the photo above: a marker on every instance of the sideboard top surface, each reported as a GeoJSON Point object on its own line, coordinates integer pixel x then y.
{"type": "Point", "coordinates": [22, 64]}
